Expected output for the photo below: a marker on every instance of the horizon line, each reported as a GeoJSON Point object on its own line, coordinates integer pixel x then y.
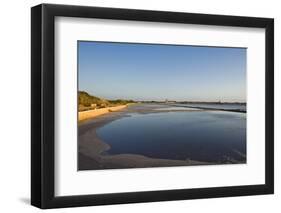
{"type": "Point", "coordinates": [168, 100]}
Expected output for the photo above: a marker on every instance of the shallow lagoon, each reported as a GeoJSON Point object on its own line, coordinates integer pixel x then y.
{"type": "Point", "coordinates": [207, 136]}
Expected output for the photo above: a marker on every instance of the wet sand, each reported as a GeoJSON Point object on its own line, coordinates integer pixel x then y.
{"type": "Point", "coordinates": [92, 150]}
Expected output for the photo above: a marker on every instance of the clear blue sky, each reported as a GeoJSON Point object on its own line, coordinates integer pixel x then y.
{"type": "Point", "coordinates": [156, 72]}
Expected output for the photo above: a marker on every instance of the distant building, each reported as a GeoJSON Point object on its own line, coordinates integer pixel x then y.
{"type": "Point", "coordinates": [169, 102]}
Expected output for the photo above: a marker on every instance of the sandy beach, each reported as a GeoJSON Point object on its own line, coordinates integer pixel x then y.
{"type": "Point", "coordinates": [92, 150]}
{"type": "Point", "coordinates": [97, 112]}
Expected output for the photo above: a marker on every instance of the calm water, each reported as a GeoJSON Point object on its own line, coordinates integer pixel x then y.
{"type": "Point", "coordinates": [241, 107]}
{"type": "Point", "coordinates": [209, 136]}
{"type": "Point", "coordinates": [176, 108]}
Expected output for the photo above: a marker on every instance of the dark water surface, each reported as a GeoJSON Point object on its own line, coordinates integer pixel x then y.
{"type": "Point", "coordinates": [208, 136]}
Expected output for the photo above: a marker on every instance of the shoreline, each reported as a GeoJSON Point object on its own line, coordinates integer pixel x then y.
{"type": "Point", "coordinates": [85, 115]}
{"type": "Point", "coordinates": [213, 109]}
{"type": "Point", "coordinates": [92, 156]}
{"type": "Point", "coordinates": [92, 150]}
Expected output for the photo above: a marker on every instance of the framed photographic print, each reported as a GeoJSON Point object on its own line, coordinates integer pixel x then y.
{"type": "Point", "coordinates": [140, 106]}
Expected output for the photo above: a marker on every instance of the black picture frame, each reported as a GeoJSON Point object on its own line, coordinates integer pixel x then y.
{"type": "Point", "coordinates": [43, 110]}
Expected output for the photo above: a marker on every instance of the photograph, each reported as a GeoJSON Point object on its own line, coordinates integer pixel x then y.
{"type": "Point", "coordinates": [136, 105]}
{"type": "Point", "coordinates": [159, 105]}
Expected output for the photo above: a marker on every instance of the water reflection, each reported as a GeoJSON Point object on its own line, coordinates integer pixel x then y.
{"type": "Point", "coordinates": [209, 136]}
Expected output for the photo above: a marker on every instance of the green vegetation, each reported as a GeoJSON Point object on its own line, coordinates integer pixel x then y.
{"type": "Point", "coordinates": [120, 102]}
{"type": "Point", "coordinates": [87, 102]}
